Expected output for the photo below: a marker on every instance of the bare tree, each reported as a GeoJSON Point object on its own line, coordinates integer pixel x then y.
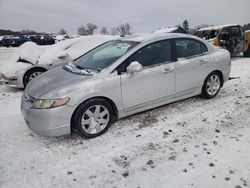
{"type": "Point", "coordinates": [90, 28]}
{"type": "Point", "coordinates": [87, 30]}
{"type": "Point", "coordinates": [123, 29]}
{"type": "Point", "coordinates": [246, 27]}
{"type": "Point", "coordinates": [28, 32]}
{"type": "Point", "coordinates": [104, 30]}
{"type": "Point", "coordinates": [62, 32]}
{"type": "Point", "coordinates": [114, 31]}
{"type": "Point", "coordinates": [82, 30]}
{"type": "Point", "coordinates": [185, 25]}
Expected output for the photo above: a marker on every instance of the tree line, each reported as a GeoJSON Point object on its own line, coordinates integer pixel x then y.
{"type": "Point", "coordinates": [22, 32]}
{"type": "Point", "coordinates": [122, 29]}
{"type": "Point", "coordinates": [90, 28]}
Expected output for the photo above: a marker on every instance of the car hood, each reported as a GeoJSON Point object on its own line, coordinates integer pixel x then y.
{"type": "Point", "coordinates": [55, 83]}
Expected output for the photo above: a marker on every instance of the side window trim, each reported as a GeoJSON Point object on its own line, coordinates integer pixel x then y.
{"type": "Point", "coordinates": [206, 52]}
{"type": "Point", "coordinates": [190, 57]}
{"type": "Point", "coordinates": [156, 65]}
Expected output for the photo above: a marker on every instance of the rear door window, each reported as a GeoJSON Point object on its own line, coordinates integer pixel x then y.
{"type": "Point", "coordinates": [186, 48]}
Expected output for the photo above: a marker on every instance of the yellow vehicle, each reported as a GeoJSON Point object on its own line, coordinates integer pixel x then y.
{"type": "Point", "coordinates": [229, 37]}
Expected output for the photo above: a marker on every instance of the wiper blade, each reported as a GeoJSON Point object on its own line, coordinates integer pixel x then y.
{"type": "Point", "coordinates": [84, 68]}
{"type": "Point", "coordinates": [77, 69]}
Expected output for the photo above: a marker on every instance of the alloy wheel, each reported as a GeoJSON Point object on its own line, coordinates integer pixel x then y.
{"type": "Point", "coordinates": [34, 75]}
{"type": "Point", "coordinates": [95, 119]}
{"type": "Point", "coordinates": [213, 85]}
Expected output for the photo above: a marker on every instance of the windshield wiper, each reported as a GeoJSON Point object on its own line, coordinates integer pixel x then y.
{"type": "Point", "coordinates": [84, 68]}
{"type": "Point", "coordinates": [77, 69]}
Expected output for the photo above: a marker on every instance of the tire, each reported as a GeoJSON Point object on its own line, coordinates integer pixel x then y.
{"type": "Point", "coordinates": [247, 53]}
{"type": "Point", "coordinates": [31, 74]}
{"type": "Point", "coordinates": [96, 113]}
{"type": "Point", "coordinates": [212, 85]}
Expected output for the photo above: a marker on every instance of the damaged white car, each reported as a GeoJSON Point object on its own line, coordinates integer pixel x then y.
{"type": "Point", "coordinates": [31, 60]}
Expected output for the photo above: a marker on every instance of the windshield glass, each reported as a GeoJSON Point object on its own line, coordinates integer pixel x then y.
{"type": "Point", "coordinates": [104, 55]}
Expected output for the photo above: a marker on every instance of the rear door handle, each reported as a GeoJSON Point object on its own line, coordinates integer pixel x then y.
{"type": "Point", "coordinates": [167, 70]}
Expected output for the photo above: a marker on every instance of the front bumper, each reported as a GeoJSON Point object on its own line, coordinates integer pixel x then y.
{"type": "Point", "coordinates": [47, 122]}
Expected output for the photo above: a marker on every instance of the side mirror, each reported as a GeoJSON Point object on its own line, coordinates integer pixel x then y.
{"type": "Point", "coordinates": [134, 67]}
{"type": "Point", "coordinates": [62, 54]}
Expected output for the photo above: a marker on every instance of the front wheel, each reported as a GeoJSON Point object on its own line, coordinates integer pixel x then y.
{"type": "Point", "coordinates": [212, 85]}
{"type": "Point", "coordinates": [92, 118]}
{"type": "Point", "coordinates": [31, 74]}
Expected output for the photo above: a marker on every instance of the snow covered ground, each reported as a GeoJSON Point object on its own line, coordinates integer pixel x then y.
{"type": "Point", "coordinates": [5, 54]}
{"type": "Point", "coordinates": [192, 143]}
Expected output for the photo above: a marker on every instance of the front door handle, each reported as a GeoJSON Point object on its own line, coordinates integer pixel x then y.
{"type": "Point", "coordinates": [167, 70]}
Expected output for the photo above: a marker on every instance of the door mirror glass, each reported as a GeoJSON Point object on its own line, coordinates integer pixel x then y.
{"type": "Point", "coordinates": [134, 67]}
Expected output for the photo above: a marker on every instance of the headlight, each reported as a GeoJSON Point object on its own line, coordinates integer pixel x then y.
{"type": "Point", "coordinates": [49, 103]}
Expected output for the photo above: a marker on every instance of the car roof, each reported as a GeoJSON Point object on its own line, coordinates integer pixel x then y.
{"type": "Point", "coordinates": [216, 27]}
{"type": "Point", "coordinates": [154, 36]}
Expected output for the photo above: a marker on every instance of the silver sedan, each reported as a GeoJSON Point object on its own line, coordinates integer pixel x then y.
{"type": "Point", "coordinates": [120, 78]}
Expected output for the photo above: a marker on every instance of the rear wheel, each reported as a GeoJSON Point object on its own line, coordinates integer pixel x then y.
{"type": "Point", "coordinates": [247, 53]}
{"type": "Point", "coordinates": [31, 74]}
{"type": "Point", "coordinates": [93, 118]}
{"type": "Point", "coordinates": [212, 85]}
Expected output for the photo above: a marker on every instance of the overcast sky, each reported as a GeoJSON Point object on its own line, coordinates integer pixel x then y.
{"type": "Point", "coordinates": [143, 15]}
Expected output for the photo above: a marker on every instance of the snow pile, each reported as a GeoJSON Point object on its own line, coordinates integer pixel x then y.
{"type": "Point", "coordinates": [166, 30]}
{"type": "Point", "coordinates": [74, 47]}
{"type": "Point", "coordinates": [29, 51]}
{"type": "Point", "coordinates": [88, 43]}
{"type": "Point", "coordinates": [49, 56]}
{"type": "Point", "coordinates": [217, 27]}
{"type": "Point", "coordinates": [72, 68]}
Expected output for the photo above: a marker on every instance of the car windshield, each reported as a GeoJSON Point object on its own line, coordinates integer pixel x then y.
{"type": "Point", "coordinates": [104, 55]}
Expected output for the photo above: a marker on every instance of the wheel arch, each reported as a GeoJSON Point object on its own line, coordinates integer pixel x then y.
{"type": "Point", "coordinates": [221, 76]}
{"type": "Point", "coordinates": [111, 102]}
{"type": "Point", "coordinates": [36, 67]}
{"type": "Point", "coordinates": [30, 69]}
